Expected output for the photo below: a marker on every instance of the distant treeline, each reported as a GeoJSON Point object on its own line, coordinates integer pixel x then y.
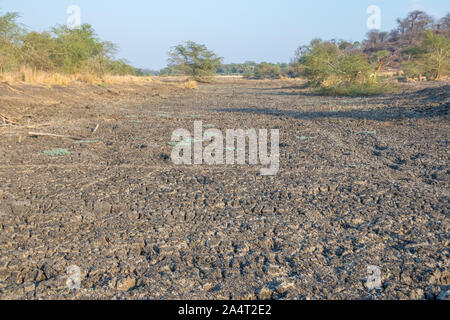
{"type": "Point", "coordinates": [60, 49]}
{"type": "Point", "coordinates": [419, 46]}
{"type": "Point", "coordinates": [409, 47]}
{"type": "Point", "coordinates": [249, 68]}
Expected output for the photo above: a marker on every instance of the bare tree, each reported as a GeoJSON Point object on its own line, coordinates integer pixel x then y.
{"type": "Point", "coordinates": [410, 30]}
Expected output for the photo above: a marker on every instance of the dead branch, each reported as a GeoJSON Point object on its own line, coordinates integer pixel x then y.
{"type": "Point", "coordinates": [96, 128]}
{"type": "Point", "coordinates": [43, 134]}
{"type": "Point", "coordinates": [5, 120]}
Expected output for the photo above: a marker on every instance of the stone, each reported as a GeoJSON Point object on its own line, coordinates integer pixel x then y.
{"type": "Point", "coordinates": [417, 294]}
{"type": "Point", "coordinates": [29, 287]}
{"type": "Point", "coordinates": [264, 294]}
{"type": "Point", "coordinates": [102, 207]}
{"type": "Point", "coordinates": [444, 295]}
{"type": "Point", "coordinates": [274, 271]}
{"type": "Point", "coordinates": [126, 284]}
{"type": "Point", "coordinates": [285, 287]}
{"type": "Point", "coordinates": [208, 286]}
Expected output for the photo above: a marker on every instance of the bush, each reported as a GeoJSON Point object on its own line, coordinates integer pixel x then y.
{"type": "Point", "coordinates": [338, 68]}
{"type": "Point", "coordinates": [10, 34]}
{"type": "Point", "coordinates": [356, 90]}
{"type": "Point", "coordinates": [326, 64]}
{"type": "Point", "coordinates": [294, 70]}
{"type": "Point", "coordinates": [431, 59]}
{"type": "Point", "coordinates": [264, 71]}
{"type": "Point", "coordinates": [60, 50]}
{"type": "Point", "coordinates": [194, 60]}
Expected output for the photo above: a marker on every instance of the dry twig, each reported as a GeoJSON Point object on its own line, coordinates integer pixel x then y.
{"type": "Point", "coordinates": [43, 134]}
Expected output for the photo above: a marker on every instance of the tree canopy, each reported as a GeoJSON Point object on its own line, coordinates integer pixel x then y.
{"type": "Point", "coordinates": [194, 60]}
{"type": "Point", "coordinates": [58, 50]}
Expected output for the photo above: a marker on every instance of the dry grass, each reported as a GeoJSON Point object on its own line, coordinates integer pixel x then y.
{"type": "Point", "coordinates": [27, 75]}
{"type": "Point", "coordinates": [190, 84]}
{"type": "Point", "coordinates": [111, 79]}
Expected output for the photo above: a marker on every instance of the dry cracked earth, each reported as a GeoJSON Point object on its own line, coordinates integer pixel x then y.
{"type": "Point", "coordinates": [362, 182]}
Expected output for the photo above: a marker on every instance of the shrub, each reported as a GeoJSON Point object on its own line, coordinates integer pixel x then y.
{"type": "Point", "coordinates": [326, 64]}
{"type": "Point", "coordinates": [431, 59]}
{"type": "Point", "coordinates": [194, 60]}
{"type": "Point", "coordinates": [10, 34]}
{"type": "Point", "coordinates": [356, 90]}
{"type": "Point", "coordinates": [61, 50]}
{"type": "Point", "coordinates": [264, 71]}
{"type": "Point", "coordinates": [338, 68]}
{"type": "Point", "coordinates": [294, 70]}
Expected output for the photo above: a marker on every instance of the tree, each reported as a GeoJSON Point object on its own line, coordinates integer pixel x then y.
{"type": "Point", "coordinates": [443, 25]}
{"type": "Point", "coordinates": [59, 50]}
{"type": "Point", "coordinates": [38, 50]}
{"type": "Point", "coordinates": [410, 29]}
{"type": "Point", "coordinates": [319, 61]}
{"type": "Point", "coordinates": [194, 60]}
{"type": "Point", "coordinates": [338, 68]}
{"type": "Point", "coordinates": [10, 33]}
{"type": "Point", "coordinates": [75, 47]}
{"type": "Point", "coordinates": [265, 70]}
{"type": "Point", "coordinates": [376, 40]}
{"type": "Point", "coordinates": [432, 58]}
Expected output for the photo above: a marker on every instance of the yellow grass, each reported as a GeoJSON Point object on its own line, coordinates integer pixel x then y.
{"type": "Point", "coordinates": [111, 79]}
{"type": "Point", "coordinates": [190, 84]}
{"type": "Point", "coordinates": [27, 75]}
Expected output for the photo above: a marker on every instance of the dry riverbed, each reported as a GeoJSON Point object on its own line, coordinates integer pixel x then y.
{"type": "Point", "coordinates": [362, 182]}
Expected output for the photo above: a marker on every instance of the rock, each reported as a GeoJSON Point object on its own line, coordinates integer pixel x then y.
{"type": "Point", "coordinates": [208, 286]}
{"type": "Point", "coordinates": [444, 295]}
{"type": "Point", "coordinates": [126, 284]}
{"type": "Point", "coordinates": [264, 294]}
{"type": "Point", "coordinates": [219, 205]}
{"type": "Point", "coordinates": [134, 215]}
{"type": "Point", "coordinates": [4, 264]}
{"type": "Point", "coordinates": [417, 294]}
{"type": "Point", "coordinates": [405, 277]}
{"type": "Point", "coordinates": [3, 275]}
{"type": "Point", "coordinates": [102, 208]}
{"type": "Point", "coordinates": [5, 210]}
{"type": "Point", "coordinates": [274, 271]}
{"type": "Point", "coordinates": [285, 287]}
{"type": "Point", "coordinates": [164, 157]}
{"type": "Point", "coordinates": [40, 276]}
{"type": "Point", "coordinates": [29, 287]}
{"type": "Point", "coordinates": [244, 296]}
{"type": "Point", "coordinates": [441, 278]}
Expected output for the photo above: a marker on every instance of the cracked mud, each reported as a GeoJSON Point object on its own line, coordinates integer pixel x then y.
{"type": "Point", "coordinates": [362, 182]}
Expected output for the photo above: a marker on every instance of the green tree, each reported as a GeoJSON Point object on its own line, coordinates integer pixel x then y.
{"type": "Point", "coordinates": [59, 50]}
{"type": "Point", "coordinates": [338, 68]}
{"type": "Point", "coordinates": [38, 50]}
{"type": "Point", "coordinates": [432, 58]}
{"type": "Point", "coordinates": [10, 33]}
{"type": "Point", "coordinates": [194, 60]}
{"type": "Point", "coordinates": [265, 70]}
{"type": "Point", "coordinates": [121, 67]}
{"type": "Point", "coordinates": [77, 48]}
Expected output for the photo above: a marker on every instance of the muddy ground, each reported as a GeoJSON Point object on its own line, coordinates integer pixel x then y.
{"type": "Point", "coordinates": [362, 182]}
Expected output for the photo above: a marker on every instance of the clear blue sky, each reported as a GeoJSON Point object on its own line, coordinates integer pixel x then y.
{"type": "Point", "coordinates": [238, 30]}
